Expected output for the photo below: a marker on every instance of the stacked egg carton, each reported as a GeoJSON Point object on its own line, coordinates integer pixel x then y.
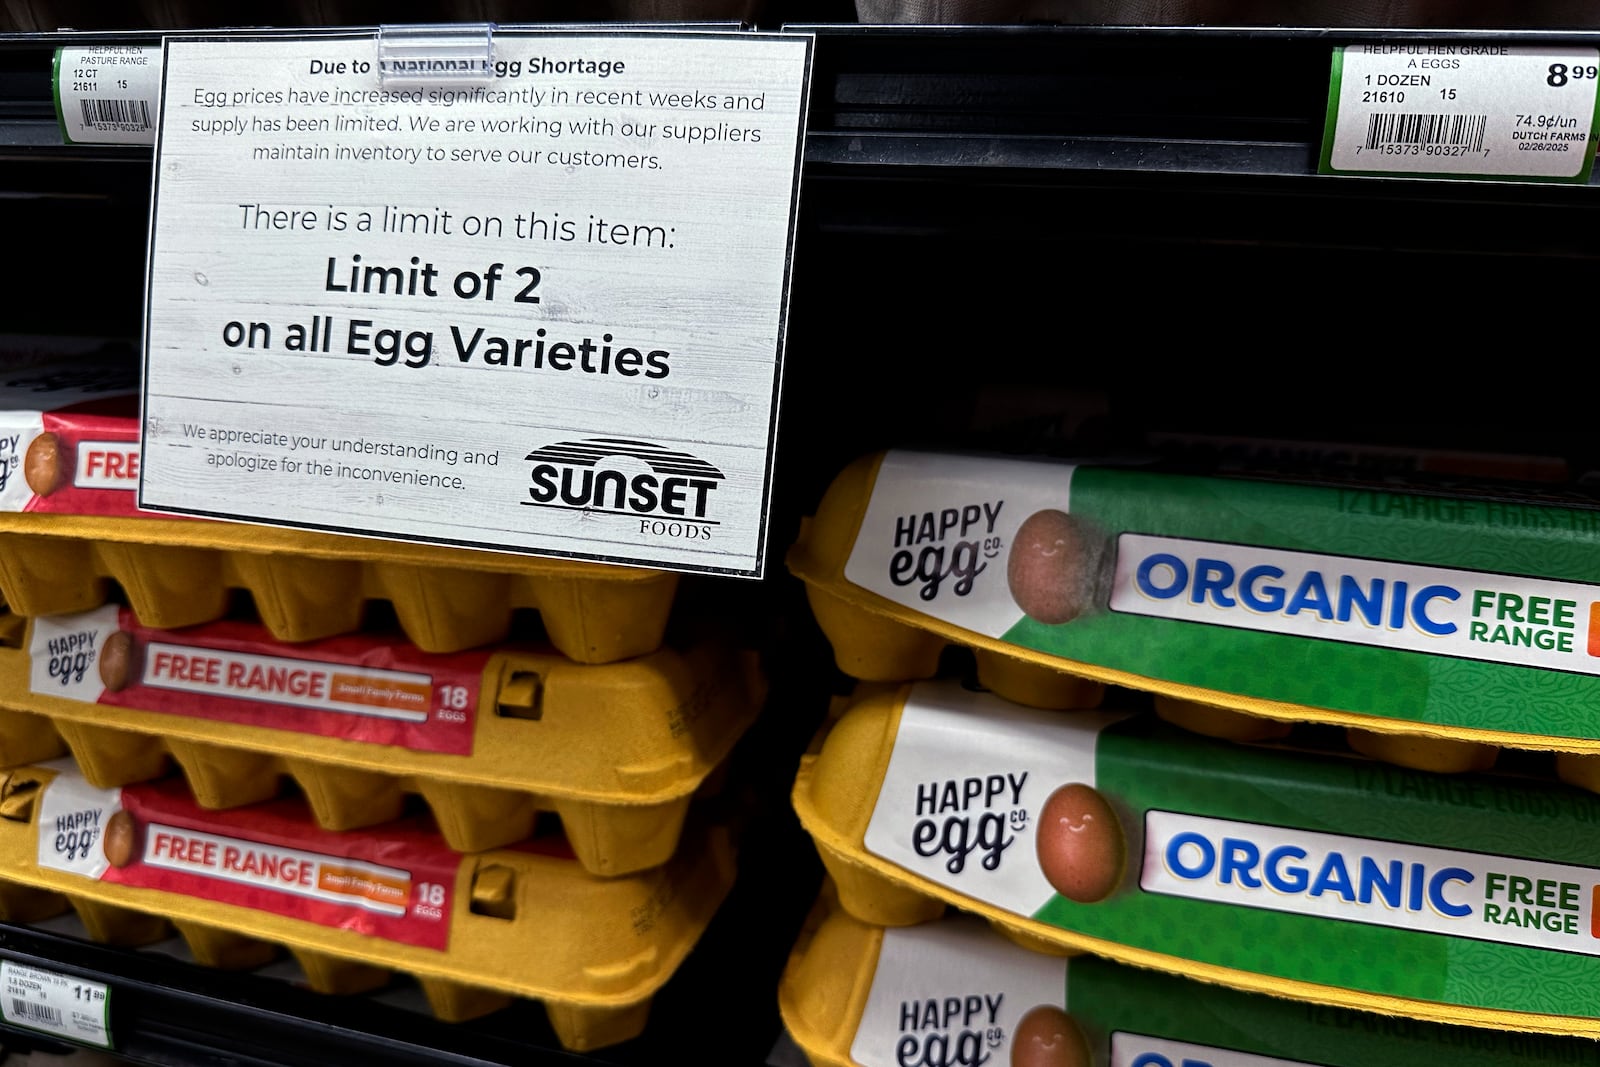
{"type": "Point", "coordinates": [955, 992]}
{"type": "Point", "coordinates": [1358, 656]}
{"type": "Point", "coordinates": [430, 767]}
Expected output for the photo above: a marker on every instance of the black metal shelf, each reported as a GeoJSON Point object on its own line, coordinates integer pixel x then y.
{"type": "Point", "coordinates": [1159, 134]}
{"type": "Point", "coordinates": [1212, 132]}
{"type": "Point", "coordinates": [1206, 100]}
{"type": "Point", "coordinates": [1130, 100]}
{"type": "Point", "coordinates": [169, 1012]}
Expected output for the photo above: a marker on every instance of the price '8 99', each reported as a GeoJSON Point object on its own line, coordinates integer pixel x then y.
{"type": "Point", "coordinates": [1560, 74]}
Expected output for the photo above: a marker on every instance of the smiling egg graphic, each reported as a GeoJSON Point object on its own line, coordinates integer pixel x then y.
{"type": "Point", "coordinates": [1047, 1037]}
{"type": "Point", "coordinates": [1051, 567]}
{"type": "Point", "coordinates": [1080, 844]}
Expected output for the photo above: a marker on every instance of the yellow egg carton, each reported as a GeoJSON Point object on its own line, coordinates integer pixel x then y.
{"type": "Point", "coordinates": [308, 585]}
{"type": "Point", "coordinates": [951, 992]}
{"type": "Point", "coordinates": [954, 992]}
{"type": "Point", "coordinates": [70, 525]}
{"type": "Point", "coordinates": [1418, 751]}
{"type": "Point", "coordinates": [489, 739]}
{"type": "Point", "coordinates": [475, 931]}
{"type": "Point", "coordinates": [1316, 875]}
{"type": "Point", "coordinates": [1465, 613]}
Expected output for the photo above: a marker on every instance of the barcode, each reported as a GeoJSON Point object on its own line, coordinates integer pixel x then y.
{"type": "Point", "coordinates": [27, 1009]}
{"type": "Point", "coordinates": [134, 113]}
{"type": "Point", "coordinates": [1457, 131]}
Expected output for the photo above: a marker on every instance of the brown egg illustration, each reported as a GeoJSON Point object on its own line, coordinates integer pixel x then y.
{"type": "Point", "coordinates": [116, 661]}
{"type": "Point", "coordinates": [43, 466]}
{"type": "Point", "coordinates": [1047, 1037]}
{"type": "Point", "coordinates": [1080, 844]}
{"type": "Point", "coordinates": [1052, 567]}
{"type": "Point", "coordinates": [121, 841]}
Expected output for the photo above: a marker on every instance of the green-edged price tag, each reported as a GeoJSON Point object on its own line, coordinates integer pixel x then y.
{"type": "Point", "coordinates": [107, 94]}
{"type": "Point", "coordinates": [58, 1004]}
{"type": "Point", "coordinates": [1462, 110]}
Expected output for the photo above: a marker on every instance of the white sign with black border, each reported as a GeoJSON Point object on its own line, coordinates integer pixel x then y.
{"type": "Point", "coordinates": [544, 313]}
{"type": "Point", "coordinates": [74, 1008]}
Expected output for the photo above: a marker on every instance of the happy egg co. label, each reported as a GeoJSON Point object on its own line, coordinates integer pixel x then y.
{"type": "Point", "coordinates": [541, 312]}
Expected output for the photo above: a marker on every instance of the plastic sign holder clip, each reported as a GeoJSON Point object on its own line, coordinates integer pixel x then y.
{"type": "Point", "coordinates": [436, 54]}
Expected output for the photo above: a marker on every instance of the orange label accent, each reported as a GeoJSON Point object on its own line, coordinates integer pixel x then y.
{"type": "Point", "coordinates": [1594, 628]}
{"type": "Point", "coordinates": [386, 693]}
{"type": "Point", "coordinates": [364, 884]}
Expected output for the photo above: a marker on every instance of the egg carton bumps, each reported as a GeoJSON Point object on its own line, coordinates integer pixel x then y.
{"type": "Point", "coordinates": [488, 738]}
{"type": "Point", "coordinates": [475, 930]}
{"type": "Point", "coordinates": [69, 525]}
{"type": "Point", "coordinates": [308, 585]}
{"type": "Point", "coordinates": [1463, 610]}
{"type": "Point", "coordinates": [1311, 874]}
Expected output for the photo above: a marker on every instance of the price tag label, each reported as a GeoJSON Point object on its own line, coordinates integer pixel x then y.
{"type": "Point", "coordinates": [544, 313]}
{"type": "Point", "coordinates": [59, 1004]}
{"type": "Point", "coordinates": [1462, 110]}
{"type": "Point", "coordinates": [107, 94]}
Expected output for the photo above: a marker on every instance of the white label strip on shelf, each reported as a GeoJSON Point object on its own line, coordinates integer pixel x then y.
{"type": "Point", "coordinates": [73, 1008]}
{"type": "Point", "coordinates": [1462, 109]}
{"type": "Point", "coordinates": [541, 314]}
{"type": "Point", "coordinates": [108, 94]}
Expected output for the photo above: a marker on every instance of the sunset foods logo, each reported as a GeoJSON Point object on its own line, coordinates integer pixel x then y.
{"type": "Point", "coordinates": [669, 492]}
